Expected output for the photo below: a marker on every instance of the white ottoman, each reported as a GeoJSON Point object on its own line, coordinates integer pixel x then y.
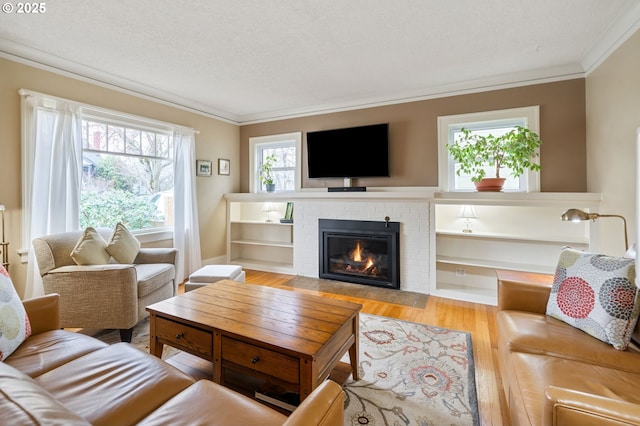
{"type": "Point", "coordinates": [212, 273]}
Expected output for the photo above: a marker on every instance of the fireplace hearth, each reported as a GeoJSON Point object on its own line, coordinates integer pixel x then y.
{"type": "Point", "coordinates": [362, 252]}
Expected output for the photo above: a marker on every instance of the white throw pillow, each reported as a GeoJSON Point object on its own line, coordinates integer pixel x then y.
{"type": "Point", "coordinates": [91, 249]}
{"type": "Point", "coordinates": [124, 247]}
{"type": "Point", "coordinates": [14, 322]}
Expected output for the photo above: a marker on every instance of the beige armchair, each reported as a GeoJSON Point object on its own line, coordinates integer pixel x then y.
{"type": "Point", "coordinates": [112, 296]}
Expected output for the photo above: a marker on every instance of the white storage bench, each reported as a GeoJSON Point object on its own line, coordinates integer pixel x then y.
{"type": "Point", "coordinates": [211, 273]}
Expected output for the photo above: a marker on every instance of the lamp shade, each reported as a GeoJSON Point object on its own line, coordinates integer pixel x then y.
{"type": "Point", "coordinates": [468, 212]}
{"type": "Point", "coordinates": [576, 215]}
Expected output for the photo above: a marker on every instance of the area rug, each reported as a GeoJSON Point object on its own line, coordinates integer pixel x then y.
{"type": "Point", "coordinates": [412, 374]}
{"type": "Point", "coordinates": [139, 339]}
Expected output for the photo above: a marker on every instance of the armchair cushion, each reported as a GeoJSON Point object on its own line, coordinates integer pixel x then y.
{"type": "Point", "coordinates": [123, 247]}
{"type": "Point", "coordinates": [596, 294]}
{"type": "Point", "coordinates": [153, 276]}
{"type": "Point", "coordinates": [14, 322]}
{"type": "Point", "coordinates": [91, 249]}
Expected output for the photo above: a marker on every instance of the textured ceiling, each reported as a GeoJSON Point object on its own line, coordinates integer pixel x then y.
{"type": "Point", "coordinates": [248, 60]}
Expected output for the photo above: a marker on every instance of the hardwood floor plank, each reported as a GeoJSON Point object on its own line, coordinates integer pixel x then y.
{"type": "Point", "coordinates": [477, 319]}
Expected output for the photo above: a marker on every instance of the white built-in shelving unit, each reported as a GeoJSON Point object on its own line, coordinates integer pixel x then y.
{"type": "Point", "coordinates": [512, 231]}
{"type": "Point", "coordinates": [254, 241]}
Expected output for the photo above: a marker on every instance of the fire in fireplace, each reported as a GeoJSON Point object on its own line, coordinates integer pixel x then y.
{"type": "Point", "coordinates": [364, 252]}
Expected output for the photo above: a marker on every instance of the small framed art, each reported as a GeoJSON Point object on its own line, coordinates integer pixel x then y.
{"type": "Point", "coordinates": [224, 166]}
{"type": "Point", "coordinates": [203, 168]}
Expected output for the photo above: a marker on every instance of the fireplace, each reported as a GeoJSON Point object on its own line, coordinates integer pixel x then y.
{"type": "Point", "coordinates": [362, 252]}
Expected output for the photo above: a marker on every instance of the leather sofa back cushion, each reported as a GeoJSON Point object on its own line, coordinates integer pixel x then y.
{"type": "Point", "coordinates": [596, 294]}
{"type": "Point", "coordinates": [22, 401]}
{"type": "Point", "coordinates": [14, 322]}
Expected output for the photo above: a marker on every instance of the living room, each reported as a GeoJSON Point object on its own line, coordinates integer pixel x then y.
{"type": "Point", "coordinates": [588, 125]}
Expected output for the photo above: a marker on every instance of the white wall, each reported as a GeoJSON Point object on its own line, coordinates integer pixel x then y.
{"type": "Point", "coordinates": [613, 115]}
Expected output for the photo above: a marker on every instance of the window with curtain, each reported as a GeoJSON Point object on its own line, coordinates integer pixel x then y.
{"type": "Point", "coordinates": [76, 155]}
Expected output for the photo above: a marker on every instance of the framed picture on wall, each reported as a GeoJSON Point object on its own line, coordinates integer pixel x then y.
{"type": "Point", "coordinates": [224, 166]}
{"type": "Point", "coordinates": [203, 168]}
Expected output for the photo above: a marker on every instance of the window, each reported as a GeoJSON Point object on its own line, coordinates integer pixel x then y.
{"type": "Point", "coordinates": [496, 123]}
{"type": "Point", "coordinates": [286, 169]}
{"type": "Point", "coordinates": [127, 175]}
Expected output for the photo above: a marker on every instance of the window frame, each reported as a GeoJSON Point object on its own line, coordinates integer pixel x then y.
{"type": "Point", "coordinates": [110, 118]}
{"type": "Point", "coordinates": [258, 143]}
{"type": "Point", "coordinates": [528, 116]}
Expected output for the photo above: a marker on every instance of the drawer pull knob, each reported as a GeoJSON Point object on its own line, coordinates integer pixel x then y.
{"type": "Point", "coordinates": [255, 360]}
{"type": "Point", "coordinates": [179, 336]}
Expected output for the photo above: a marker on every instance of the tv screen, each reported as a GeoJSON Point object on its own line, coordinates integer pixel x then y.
{"type": "Point", "coordinates": [352, 152]}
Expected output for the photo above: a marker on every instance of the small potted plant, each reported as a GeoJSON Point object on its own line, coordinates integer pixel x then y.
{"type": "Point", "coordinates": [265, 172]}
{"type": "Point", "coordinates": [514, 150]}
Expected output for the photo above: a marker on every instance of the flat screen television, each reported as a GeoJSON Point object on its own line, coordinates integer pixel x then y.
{"type": "Point", "coordinates": [349, 153]}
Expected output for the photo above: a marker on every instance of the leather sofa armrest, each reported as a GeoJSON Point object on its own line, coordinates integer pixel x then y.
{"type": "Point", "coordinates": [324, 407]}
{"type": "Point", "coordinates": [157, 255]}
{"type": "Point", "coordinates": [43, 313]}
{"type": "Point", "coordinates": [522, 291]}
{"type": "Point", "coordinates": [565, 407]}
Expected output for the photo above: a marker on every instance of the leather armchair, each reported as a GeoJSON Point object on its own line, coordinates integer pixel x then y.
{"type": "Point", "coordinates": [111, 296]}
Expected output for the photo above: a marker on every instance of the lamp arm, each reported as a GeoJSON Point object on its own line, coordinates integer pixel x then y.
{"type": "Point", "coordinates": [624, 222]}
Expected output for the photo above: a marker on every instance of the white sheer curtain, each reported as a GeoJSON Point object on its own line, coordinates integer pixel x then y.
{"type": "Point", "coordinates": [186, 234]}
{"type": "Point", "coordinates": [52, 161]}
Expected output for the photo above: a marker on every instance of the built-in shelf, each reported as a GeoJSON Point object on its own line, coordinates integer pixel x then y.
{"type": "Point", "coordinates": [568, 240]}
{"type": "Point", "coordinates": [257, 243]}
{"type": "Point", "coordinates": [495, 264]}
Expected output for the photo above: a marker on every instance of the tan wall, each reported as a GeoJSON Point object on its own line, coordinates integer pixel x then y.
{"type": "Point", "coordinates": [413, 134]}
{"type": "Point", "coordinates": [217, 139]}
{"type": "Point", "coordinates": [613, 115]}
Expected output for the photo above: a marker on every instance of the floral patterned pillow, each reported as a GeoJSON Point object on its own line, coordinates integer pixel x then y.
{"type": "Point", "coordinates": [596, 294]}
{"type": "Point", "coordinates": [14, 322]}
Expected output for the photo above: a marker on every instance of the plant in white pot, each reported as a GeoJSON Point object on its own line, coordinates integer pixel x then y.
{"type": "Point", "coordinates": [266, 172]}
{"type": "Point", "coordinates": [515, 150]}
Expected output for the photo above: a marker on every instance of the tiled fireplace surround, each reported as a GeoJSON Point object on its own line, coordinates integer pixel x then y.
{"type": "Point", "coordinates": [413, 215]}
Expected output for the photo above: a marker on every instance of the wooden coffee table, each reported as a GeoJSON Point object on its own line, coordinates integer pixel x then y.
{"type": "Point", "coordinates": [285, 338]}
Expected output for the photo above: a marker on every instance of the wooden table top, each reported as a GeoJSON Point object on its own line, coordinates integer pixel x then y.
{"type": "Point", "coordinates": [289, 321]}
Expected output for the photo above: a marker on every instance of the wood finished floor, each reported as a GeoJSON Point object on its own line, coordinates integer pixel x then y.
{"type": "Point", "coordinates": [477, 319]}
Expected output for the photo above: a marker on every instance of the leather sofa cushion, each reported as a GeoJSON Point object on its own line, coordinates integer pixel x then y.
{"type": "Point", "coordinates": [115, 385]}
{"type": "Point", "coordinates": [48, 350]}
{"type": "Point", "coordinates": [23, 402]}
{"type": "Point", "coordinates": [208, 403]}
{"type": "Point", "coordinates": [153, 276]}
{"type": "Point", "coordinates": [540, 334]}
{"type": "Point", "coordinates": [533, 373]}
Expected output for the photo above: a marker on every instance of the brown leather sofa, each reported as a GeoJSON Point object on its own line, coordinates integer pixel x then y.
{"type": "Point", "coordinates": [554, 374]}
{"type": "Point", "coordinates": [66, 378]}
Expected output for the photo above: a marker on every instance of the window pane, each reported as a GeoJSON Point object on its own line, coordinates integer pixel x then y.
{"type": "Point", "coordinates": [164, 146]}
{"type": "Point", "coordinates": [284, 179]}
{"type": "Point", "coordinates": [116, 139]}
{"type": "Point", "coordinates": [97, 137]}
{"type": "Point", "coordinates": [134, 190]}
{"type": "Point", "coordinates": [133, 142]}
{"type": "Point", "coordinates": [149, 144]}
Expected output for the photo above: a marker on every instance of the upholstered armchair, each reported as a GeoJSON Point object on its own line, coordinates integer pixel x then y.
{"type": "Point", "coordinates": [107, 296]}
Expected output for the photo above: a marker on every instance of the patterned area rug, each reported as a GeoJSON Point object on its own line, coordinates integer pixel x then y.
{"type": "Point", "coordinates": [412, 374]}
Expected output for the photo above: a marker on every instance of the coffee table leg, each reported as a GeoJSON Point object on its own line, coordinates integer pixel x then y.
{"type": "Point", "coordinates": [354, 349]}
{"type": "Point", "coordinates": [155, 347]}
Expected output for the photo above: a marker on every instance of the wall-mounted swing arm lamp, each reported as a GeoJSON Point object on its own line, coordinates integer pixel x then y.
{"type": "Point", "coordinates": [576, 215]}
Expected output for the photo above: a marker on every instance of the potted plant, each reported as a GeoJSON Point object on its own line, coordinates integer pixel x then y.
{"type": "Point", "coordinates": [265, 172]}
{"type": "Point", "coordinates": [514, 150]}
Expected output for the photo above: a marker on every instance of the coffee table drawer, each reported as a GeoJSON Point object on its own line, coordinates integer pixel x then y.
{"type": "Point", "coordinates": [190, 339]}
{"type": "Point", "coordinates": [264, 360]}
